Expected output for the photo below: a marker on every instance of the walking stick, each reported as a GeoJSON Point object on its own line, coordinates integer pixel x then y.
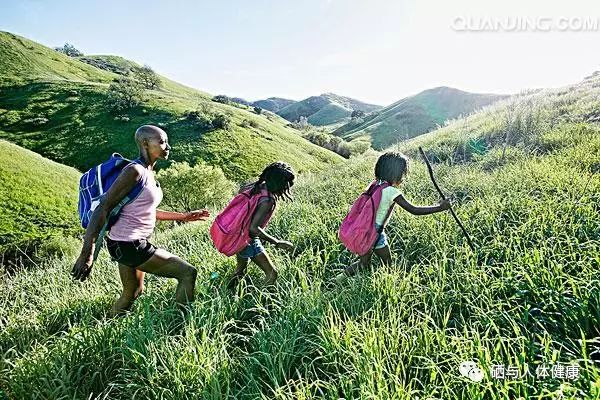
{"type": "Point", "coordinates": [466, 234]}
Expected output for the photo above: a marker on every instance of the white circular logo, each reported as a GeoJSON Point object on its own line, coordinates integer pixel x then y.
{"type": "Point", "coordinates": [471, 370]}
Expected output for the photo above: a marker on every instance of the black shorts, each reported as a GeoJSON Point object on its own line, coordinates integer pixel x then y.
{"type": "Point", "coordinates": [132, 254]}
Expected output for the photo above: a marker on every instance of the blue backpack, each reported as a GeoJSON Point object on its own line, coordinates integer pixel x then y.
{"type": "Point", "coordinates": [95, 183]}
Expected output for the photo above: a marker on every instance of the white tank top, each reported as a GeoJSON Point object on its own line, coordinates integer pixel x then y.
{"type": "Point", "coordinates": [138, 218]}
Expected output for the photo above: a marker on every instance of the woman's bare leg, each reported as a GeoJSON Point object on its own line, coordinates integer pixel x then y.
{"type": "Point", "coordinates": [165, 264]}
{"type": "Point", "coordinates": [133, 286]}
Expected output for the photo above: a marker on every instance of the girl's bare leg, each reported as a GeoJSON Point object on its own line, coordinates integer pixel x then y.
{"type": "Point", "coordinates": [361, 263]}
{"type": "Point", "coordinates": [264, 262]}
{"type": "Point", "coordinates": [385, 255]}
{"type": "Point", "coordinates": [240, 271]}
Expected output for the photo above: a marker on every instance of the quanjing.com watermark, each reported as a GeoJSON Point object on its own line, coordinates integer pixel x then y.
{"type": "Point", "coordinates": [525, 24]}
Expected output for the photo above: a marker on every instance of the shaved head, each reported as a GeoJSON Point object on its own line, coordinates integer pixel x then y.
{"type": "Point", "coordinates": [148, 132]}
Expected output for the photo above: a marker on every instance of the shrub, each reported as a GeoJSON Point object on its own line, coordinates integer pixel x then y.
{"type": "Point", "coordinates": [221, 121]}
{"type": "Point", "coordinates": [270, 116]}
{"type": "Point", "coordinates": [301, 124]}
{"type": "Point", "coordinates": [240, 101]}
{"type": "Point", "coordinates": [257, 110]}
{"type": "Point", "coordinates": [199, 119]}
{"type": "Point", "coordinates": [249, 123]}
{"type": "Point", "coordinates": [147, 77]}
{"type": "Point", "coordinates": [357, 114]}
{"type": "Point", "coordinates": [336, 144]}
{"type": "Point", "coordinates": [106, 65]}
{"type": "Point", "coordinates": [358, 147]}
{"type": "Point", "coordinates": [232, 101]}
{"type": "Point", "coordinates": [10, 118]}
{"type": "Point", "coordinates": [221, 98]}
{"type": "Point", "coordinates": [124, 93]}
{"type": "Point", "coordinates": [188, 188]}
{"type": "Point", "coordinates": [205, 118]}
{"type": "Point", "coordinates": [69, 50]}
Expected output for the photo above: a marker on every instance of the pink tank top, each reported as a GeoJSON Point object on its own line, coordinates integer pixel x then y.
{"type": "Point", "coordinates": [138, 218]}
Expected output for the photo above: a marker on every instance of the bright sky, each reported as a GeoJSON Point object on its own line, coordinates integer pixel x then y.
{"type": "Point", "coordinates": [374, 50]}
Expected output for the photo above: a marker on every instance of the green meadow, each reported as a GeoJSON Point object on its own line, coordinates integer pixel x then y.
{"type": "Point", "coordinates": [525, 177]}
{"type": "Point", "coordinates": [39, 202]}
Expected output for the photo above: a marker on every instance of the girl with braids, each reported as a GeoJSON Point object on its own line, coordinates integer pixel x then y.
{"type": "Point", "coordinates": [391, 169]}
{"type": "Point", "coordinates": [274, 183]}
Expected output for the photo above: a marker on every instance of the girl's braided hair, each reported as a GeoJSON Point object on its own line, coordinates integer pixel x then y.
{"type": "Point", "coordinates": [391, 167]}
{"type": "Point", "coordinates": [278, 177]}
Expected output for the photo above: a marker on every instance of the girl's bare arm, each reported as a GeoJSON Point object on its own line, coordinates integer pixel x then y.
{"type": "Point", "coordinates": [421, 210]}
{"type": "Point", "coordinates": [257, 231]}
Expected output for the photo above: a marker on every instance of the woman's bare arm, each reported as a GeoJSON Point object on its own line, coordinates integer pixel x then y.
{"type": "Point", "coordinates": [119, 189]}
{"type": "Point", "coordinates": [196, 215]}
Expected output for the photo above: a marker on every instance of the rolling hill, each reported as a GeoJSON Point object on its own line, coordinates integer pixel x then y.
{"type": "Point", "coordinates": [414, 115]}
{"type": "Point", "coordinates": [326, 109]}
{"type": "Point", "coordinates": [57, 106]}
{"type": "Point", "coordinates": [22, 61]}
{"type": "Point", "coordinates": [273, 104]}
{"type": "Point", "coordinates": [39, 199]}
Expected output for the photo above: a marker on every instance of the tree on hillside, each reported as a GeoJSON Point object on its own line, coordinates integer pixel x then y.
{"type": "Point", "coordinates": [69, 50]}
{"type": "Point", "coordinates": [221, 98]}
{"type": "Point", "coordinates": [301, 124]}
{"type": "Point", "coordinates": [258, 110]}
{"type": "Point", "coordinates": [147, 77]}
{"type": "Point", "coordinates": [181, 188]}
{"type": "Point", "coordinates": [124, 93]}
{"type": "Point", "coordinates": [357, 114]}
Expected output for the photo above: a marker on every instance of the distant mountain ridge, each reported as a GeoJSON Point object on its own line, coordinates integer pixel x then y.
{"type": "Point", "coordinates": [414, 115]}
{"type": "Point", "coordinates": [273, 104]}
{"type": "Point", "coordinates": [325, 109]}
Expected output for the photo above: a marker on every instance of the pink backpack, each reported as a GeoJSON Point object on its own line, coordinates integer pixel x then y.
{"type": "Point", "coordinates": [230, 231]}
{"type": "Point", "coordinates": [357, 231]}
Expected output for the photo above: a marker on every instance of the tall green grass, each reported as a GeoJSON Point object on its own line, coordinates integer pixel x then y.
{"type": "Point", "coordinates": [529, 296]}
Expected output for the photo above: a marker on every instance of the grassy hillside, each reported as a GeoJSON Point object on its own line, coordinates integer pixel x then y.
{"type": "Point", "coordinates": [414, 115]}
{"type": "Point", "coordinates": [526, 177]}
{"type": "Point", "coordinates": [23, 60]}
{"type": "Point", "coordinates": [325, 109]}
{"type": "Point", "coordinates": [39, 199]}
{"type": "Point", "coordinates": [273, 104]}
{"type": "Point", "coordinates": [67, 118]}
{"type": "Point", "coordinates": [123, 66]}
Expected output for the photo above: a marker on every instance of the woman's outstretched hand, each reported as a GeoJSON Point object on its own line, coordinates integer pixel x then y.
{"type": "Point", "coordinates": [196, 215]}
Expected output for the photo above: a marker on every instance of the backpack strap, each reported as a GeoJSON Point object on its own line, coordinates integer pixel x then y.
{"type": "Point", "coordinates": [114, 213]}
{"type": "Point", "coordinates": [387, 216]}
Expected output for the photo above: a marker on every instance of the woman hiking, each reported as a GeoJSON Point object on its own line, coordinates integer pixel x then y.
{"type": "Point", "coordinates": [127, 239]}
